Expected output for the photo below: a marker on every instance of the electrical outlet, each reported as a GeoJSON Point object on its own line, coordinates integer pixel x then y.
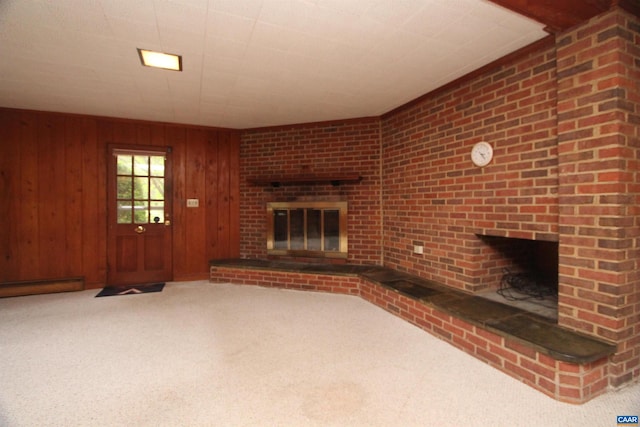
{"type": "Point", "coordinates": [193, 203]}
{"type": "Point", "coordinates": [418, 249]}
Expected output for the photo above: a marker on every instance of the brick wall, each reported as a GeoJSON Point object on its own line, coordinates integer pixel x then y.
{"type": "Point", "coordinates": [564, 123]}
{"type": "Point", "coordinates": [599, 152]}
{"type": "Point", "coordinates": [323, 148]}
{"type": "Point", "coordinates": [435, 197]}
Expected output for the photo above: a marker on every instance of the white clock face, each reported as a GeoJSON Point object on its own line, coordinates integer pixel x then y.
{"type": "Point", "coordinates": [481, 154]}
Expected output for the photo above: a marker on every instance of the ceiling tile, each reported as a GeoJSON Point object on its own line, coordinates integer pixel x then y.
{"type": "Point", "coordinates": [247, 63]}
{"type": "Point", "coordinates": [229, 27]}
{"type": "Point", "coordinates": [245, 8]}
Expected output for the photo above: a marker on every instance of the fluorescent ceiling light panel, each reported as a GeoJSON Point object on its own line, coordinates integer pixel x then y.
{"type": "Point", "coordinates": [165, 61]}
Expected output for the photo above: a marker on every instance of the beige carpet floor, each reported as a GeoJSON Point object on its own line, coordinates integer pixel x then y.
{"type": "Point", "coordinates": [202, 354]}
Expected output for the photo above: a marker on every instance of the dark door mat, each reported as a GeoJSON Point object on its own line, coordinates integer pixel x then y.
{"type": "Point", "coordinates": [110, 291]}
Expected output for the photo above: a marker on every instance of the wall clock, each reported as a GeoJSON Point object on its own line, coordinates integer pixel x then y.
{"type": "Point", "coordinates": [481, 154]}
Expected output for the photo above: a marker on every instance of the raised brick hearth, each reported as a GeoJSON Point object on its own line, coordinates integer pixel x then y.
{"type": "Point", "coordinates": [562, 364]}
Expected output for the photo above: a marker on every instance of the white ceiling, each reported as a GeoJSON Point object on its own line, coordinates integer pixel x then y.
{"type": "Point", "coordinates": [247, 63]}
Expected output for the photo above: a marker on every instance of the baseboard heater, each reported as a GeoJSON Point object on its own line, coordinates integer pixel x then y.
{"type": "Point", "coordinates": [42, 286]}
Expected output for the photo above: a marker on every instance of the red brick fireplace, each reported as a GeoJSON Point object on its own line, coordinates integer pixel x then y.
{"type": "Point", "coordinates": [564, 122]}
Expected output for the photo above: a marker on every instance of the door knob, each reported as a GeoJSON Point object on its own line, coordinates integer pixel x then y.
{"type": "Point", "coordinates": [140, 229]}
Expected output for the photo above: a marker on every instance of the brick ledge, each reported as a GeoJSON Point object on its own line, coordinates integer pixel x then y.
{"type": "Point", "coordinates": [562, 364]}
{"type": "Point", "coordinates": [529, 329]}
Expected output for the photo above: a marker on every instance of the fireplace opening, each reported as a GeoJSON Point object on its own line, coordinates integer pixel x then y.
{"type": "Point", "coordinates": [522, 272]}
{"type": "Point", "coordinates": [316, 229]}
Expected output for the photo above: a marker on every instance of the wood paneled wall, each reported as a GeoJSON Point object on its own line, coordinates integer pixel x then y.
{"type": "Point", "coordinates": [53, 194]}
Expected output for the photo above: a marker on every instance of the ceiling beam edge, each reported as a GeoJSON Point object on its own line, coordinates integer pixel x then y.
{"type": "Point", "coordinates": [559, 15]}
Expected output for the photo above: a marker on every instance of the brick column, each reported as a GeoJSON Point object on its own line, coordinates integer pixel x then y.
{"type": "Point", "coordinates": [599, 184]}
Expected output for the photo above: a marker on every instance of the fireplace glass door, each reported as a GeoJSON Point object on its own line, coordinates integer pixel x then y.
{"type": "Point", "coordinates": [313, 229]}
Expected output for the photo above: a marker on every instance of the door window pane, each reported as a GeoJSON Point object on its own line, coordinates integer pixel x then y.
{"type": "Point", "coordinates": [140, 188]}
{"type": "Point", "coordinates": [156, 166]}
{"type": "Point", "coordinates": [141, 212]}
{"type": "Point", "coordinates": [125, 185]}
{"type": "Point", "coordinates": [156, 188]}
{"type": "Point", "coordinates": [141, 165]}
{"type": "Point", "coordinates": [157, 211]}
{"type": "Point", "coordinates": [125, 212]}
{"type": "Point", "coordinates": [125, 165]}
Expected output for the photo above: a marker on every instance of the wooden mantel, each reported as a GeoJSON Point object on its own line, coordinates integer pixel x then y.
{"type": "Point", "coordinates": [334, 179]}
